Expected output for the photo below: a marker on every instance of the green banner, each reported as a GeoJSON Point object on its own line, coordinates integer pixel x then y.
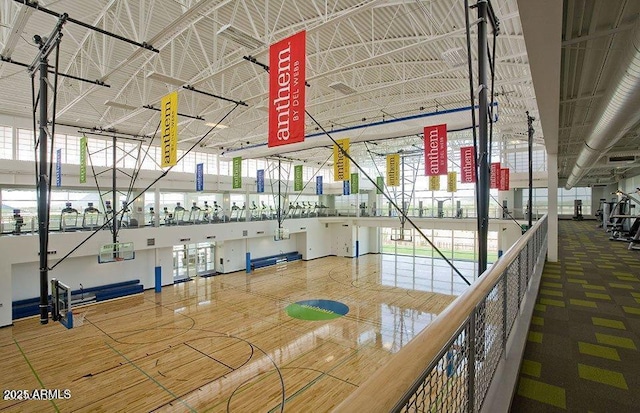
{"type": "Point", "coordinates": [237, 172]}
{"type": "Point", "coordinates": [297, 178]}
{"type": "Point", "coordinates": [355, 185]}
{"type": "Point", "coordinates": [83, 160]}
{"type": "Point", "coordinates": [380, 182]}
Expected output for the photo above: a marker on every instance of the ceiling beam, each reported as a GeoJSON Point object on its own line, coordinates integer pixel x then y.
{"type": "Point", "coordinates": [19, 23]}
{"type": "Point", "coordinates": [597, 35]}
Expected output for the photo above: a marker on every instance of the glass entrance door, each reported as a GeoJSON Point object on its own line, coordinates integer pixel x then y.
{"type": "Point", "coordinates": [180, 263]}
{"type": "Point", "coordinates": [193, 259]}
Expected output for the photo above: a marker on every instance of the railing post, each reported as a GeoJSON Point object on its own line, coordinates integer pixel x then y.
{"type": "Point", "coordinates": [471, 363]}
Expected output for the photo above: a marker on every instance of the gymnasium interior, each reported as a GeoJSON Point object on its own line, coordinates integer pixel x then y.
{"type": "Point", "coordinates": [319, 205]}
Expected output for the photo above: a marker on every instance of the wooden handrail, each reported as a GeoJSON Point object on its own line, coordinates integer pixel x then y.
{"type": "Point", "coordinates": [389, 384]}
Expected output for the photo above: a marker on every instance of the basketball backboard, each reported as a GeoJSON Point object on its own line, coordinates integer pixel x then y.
{"type": "Point", "coordinates": [120, 251]}
{"type": "Point", "coordinates": [61, 303]}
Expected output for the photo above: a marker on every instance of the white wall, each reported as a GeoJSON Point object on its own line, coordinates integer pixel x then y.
{"type": "Point", "coordinates": [318, 240]}
{"type": "Point", "coordinates": [86, 271]}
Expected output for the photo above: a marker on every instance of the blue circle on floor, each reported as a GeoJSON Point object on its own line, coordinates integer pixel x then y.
{"type": "Point", "coordinates": [314, 310]}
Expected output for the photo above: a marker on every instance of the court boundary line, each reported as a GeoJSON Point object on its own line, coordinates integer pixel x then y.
{"type": "Point", "coordinates": [35, 374]}
{"type": "Point", "coordinates": [176, 398]}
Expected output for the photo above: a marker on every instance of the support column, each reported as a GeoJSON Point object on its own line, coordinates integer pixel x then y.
{"type": "Point", "coordinates": [552, 241]}
{"type": "Point", "coordinates": [43, 191]}
{"type": "Point", "coordinates": [156, 208]}
{"type": "Point", "coordinates": [226, 204]}
{"type": "Point", "coordinates": [483, 140]}
{"type": "Point", "coordinates": [137, 214]}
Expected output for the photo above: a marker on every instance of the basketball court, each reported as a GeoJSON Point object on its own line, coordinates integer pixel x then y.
{"type": "Point", "coordinates": [226, 343]}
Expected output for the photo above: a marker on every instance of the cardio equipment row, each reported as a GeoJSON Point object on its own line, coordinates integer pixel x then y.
{"type": "Point", "coordinates": [617, 217]}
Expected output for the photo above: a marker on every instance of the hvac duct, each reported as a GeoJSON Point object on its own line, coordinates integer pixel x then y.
{"type": "Point", "coordinates": [618, 112]}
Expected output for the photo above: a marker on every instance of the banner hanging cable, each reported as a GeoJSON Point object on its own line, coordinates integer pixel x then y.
{"type": "Point", "coordinates": [346, 155]}
{"type": "Point", "coordinates": [164, 173]}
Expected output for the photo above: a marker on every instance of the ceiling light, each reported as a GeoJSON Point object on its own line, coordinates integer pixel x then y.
{"type": "Point", "coordinates": [166, 79]}
{"type": "Point", "coordinates": [239, 37]}
{"type": "Point", "coordinates": [216, 125]}
{"type": "Point", "coordinates": [342, 88]}
{"type": "Point", "coordinates": [119, 105]}
{"type": "Point", "coordinates": [455, 58]}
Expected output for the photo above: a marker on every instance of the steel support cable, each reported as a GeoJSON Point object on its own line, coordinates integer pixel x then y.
{"type": "Point", "coordinates": [164, 173]}
{"type": "Point", "coordinates": [137, 170]}
{"type": "Point", "coordinates": [309, 181]}
{"type": "Point", "coordinates": [505, 210]}
{"type": "Point", "coordinates": [393, 203]}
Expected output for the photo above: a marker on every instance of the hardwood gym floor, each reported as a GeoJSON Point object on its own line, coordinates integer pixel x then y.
{"type": "Point", "coordinates": [225, 343]}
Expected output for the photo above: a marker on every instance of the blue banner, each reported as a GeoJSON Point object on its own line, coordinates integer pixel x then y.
{"type": "Point", "coordinates": [346, 190]}
{"type": "Point", "coordinates": [199, 177]}
{"type": "Point", "coordinates": [318, 185]}
{"type": "Point", "coordinates": [260, 181]}
{"type": "Point", "coordinates": [59, 168]}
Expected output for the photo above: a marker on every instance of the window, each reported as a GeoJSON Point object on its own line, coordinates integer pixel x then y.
{"type": "Point", "coordinates": [73, 150]}
{"type": "Point", "coordinates": [97, 155]}
{"type": "Point", "coordinates": [25, 145]}
{"type": "Point", "coordinates": [6, 142]}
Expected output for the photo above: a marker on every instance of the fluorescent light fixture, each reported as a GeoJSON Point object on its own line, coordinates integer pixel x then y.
{"type": "Point", "coordinates": [119, 105]}
{"type": "Point", "coordinates": [342, 88]}
{"type": "Point", "coordinates": [166, 79]}
{"type": "Point", "coordinates": [455, 58]}
{"type": "Point", "coordinates": [216, 125]}
{"type": "Point", "coordinates": [239, 37]}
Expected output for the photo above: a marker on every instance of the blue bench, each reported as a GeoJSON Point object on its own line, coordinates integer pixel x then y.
{"type": "Point", "coordinates": [31, 306]}
{"type": "Point", "coordinates": [274, 259]}
{"type": "Point", "coordinates": [109, 293]}
{"type": "Point", "coordinates": [27, 308]}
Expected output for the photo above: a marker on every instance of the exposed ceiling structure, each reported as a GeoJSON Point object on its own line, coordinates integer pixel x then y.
{"type": "Point", "coordinates": [367, 61]}
{"type": "Point", "coordinates": [600, 92]}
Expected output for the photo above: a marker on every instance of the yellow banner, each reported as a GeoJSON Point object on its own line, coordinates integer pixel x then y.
{"type": "Point", "coordinates": [169, 128]}
{"type": "Point", "coordinates": [434, 183]}
{"type": "Point", "coordinates": [452, 182]}
{"type": "Point", "coordinates": [341, 164]}
{"type": "Point", "coordinates": [393, 169]}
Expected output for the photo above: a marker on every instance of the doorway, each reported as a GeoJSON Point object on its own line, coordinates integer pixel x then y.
{"type": "Point", "coordinates": [191, 260]}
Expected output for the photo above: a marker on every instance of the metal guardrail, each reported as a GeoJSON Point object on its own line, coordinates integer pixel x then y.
{"type": "Point", "coordinates": [450, 365]}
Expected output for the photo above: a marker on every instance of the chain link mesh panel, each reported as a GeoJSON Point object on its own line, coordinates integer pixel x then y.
{"type": "Point", "coordinates": [444, 389]}
{"type": "Point", "coordinates": [489, 318]}
{"type": "Point", "coordinates": [513, 302]}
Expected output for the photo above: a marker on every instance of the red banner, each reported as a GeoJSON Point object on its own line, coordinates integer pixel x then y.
{"type": "Point", "coordinates": [467, 165]}
{"type": "Point", "coordinates": [494, 180]}
{"type": "Point", "coordinates": [287, 90]}
{"type": "Point", "coordinates": [435, 150]}
{"type": "Point", "coordinates": [504, 179]}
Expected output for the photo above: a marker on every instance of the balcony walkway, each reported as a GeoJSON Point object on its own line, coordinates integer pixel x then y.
{"type": "Point", "coordinates": [582, 349]}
